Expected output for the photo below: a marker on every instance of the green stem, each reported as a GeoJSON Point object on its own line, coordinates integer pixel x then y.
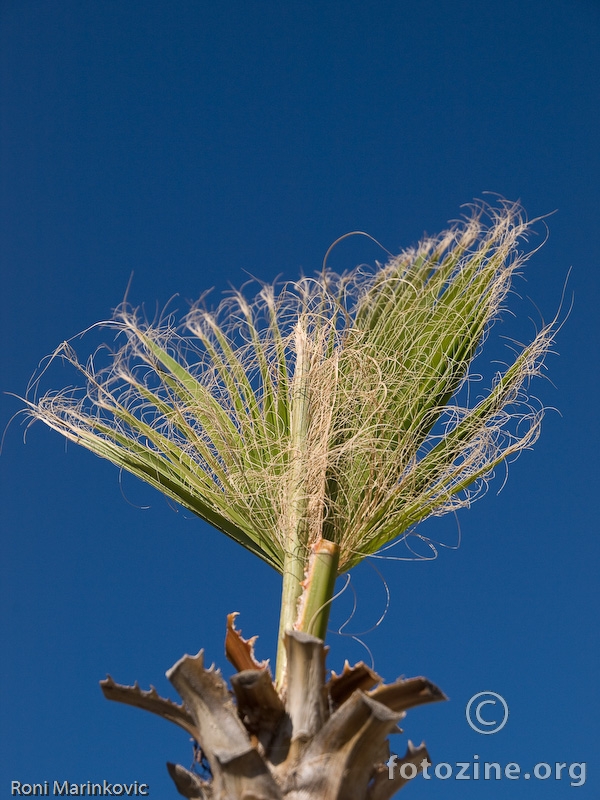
{"type": "Point", "coordinates": [318, 588]}
{"type": "Point", "coordinates": [293, 575]}
{"type": "Point", "coordinates": [296, 534]}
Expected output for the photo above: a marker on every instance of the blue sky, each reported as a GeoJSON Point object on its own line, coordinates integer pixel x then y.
{"type": "Point", "coordinates": [195, 144]}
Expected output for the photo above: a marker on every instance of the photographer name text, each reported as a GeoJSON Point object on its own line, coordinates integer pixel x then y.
{"type": "Point", "coordinates": [72, 789]}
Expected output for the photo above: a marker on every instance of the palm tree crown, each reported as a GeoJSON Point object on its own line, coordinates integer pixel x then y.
{"type": "Point", "coordinates": [314, 425]}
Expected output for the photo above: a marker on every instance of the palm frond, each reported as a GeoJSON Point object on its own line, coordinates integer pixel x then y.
{"type": "Point", "coordinates": [329, 407]}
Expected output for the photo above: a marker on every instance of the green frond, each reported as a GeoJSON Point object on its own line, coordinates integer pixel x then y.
{"type": "Point", "coordinates": [328, 408]}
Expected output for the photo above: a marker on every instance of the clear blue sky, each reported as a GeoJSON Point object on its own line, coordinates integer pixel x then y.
{"type": "Point", "coordinates": [194, 143]}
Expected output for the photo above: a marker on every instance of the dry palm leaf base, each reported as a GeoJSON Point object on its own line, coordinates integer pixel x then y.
{"type": "Point", "coordinates": [317, 740]}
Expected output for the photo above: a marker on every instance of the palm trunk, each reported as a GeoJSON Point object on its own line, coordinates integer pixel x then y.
{"type": "Point", "coordinates": [317, 740]}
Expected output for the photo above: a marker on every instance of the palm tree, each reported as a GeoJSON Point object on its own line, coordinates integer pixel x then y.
{"type": "Point", "coordinates": [313, 425]}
